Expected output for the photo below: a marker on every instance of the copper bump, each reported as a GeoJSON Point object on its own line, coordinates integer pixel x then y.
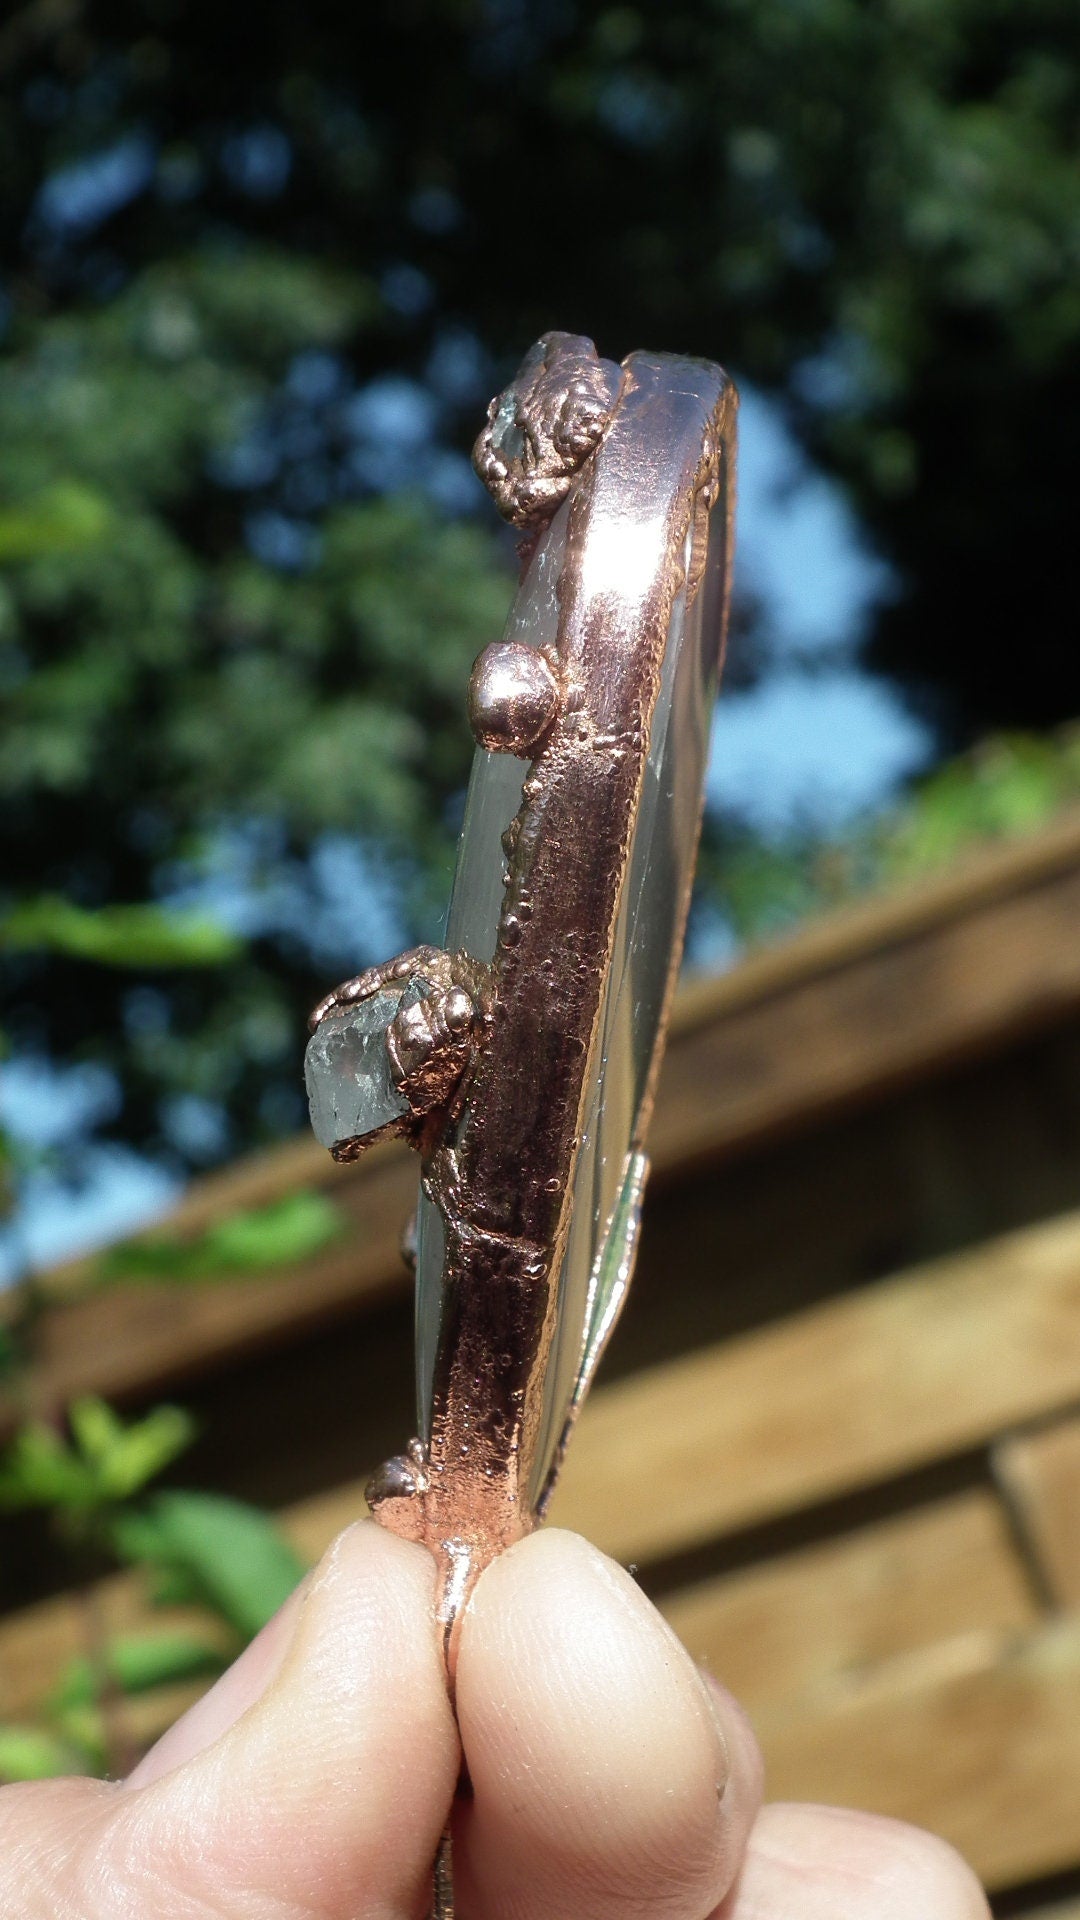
{"type": "Point", "coordinates": [513, 698]}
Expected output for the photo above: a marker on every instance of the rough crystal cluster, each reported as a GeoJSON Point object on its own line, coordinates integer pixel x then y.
{"type": "Point", "coordinates": [350, 1087]}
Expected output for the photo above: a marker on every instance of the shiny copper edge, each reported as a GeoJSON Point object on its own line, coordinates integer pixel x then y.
{"type": "Point", "coordinates": [502, 1177]}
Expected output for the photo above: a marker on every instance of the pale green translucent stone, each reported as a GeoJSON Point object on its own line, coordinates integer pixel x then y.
{"type": "Point", "coordinates": [506, 437]}
{"type": "Point", "coordinates": [347, 1069]}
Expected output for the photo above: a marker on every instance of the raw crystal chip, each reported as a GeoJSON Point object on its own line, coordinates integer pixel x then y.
{"type": "Point", "coordinates": [347, 1069]}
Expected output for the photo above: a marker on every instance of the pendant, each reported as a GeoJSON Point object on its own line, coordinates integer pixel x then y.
{"type": "Point", "coordinates": [521, 1059]}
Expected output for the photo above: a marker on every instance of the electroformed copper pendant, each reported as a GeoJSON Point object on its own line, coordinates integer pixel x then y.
{"type": "Point", "coordinates": [521, 1060]}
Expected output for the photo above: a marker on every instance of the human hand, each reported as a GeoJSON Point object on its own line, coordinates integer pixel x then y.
{"type": "Point", "coordinates": [610, 1781]}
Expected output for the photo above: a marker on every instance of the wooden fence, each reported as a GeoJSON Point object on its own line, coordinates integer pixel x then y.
{"type": "Point", "coordinates": [839, 1436]}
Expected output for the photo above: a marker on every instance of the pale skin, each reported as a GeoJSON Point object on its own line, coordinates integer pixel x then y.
{"type": "Point", "coordinates": [611, 1780]}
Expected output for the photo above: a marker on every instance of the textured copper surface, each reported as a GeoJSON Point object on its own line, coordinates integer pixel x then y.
{"type": "Point", "coordinates": [514, 695]}
{"type": "Point", "coordinates": [544, 426]}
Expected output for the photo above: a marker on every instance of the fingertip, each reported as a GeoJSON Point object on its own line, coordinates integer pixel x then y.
{"type": "Point", "coordinates": [600, 1764]}
{"type": "Point", "coordinates": [746, 1763]}
{"type": "Point", "coordinates": [339, 1776]}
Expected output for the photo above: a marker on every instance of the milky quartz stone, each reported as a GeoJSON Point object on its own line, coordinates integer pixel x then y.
{"type": "Point", "coordinates": [347, 1069]}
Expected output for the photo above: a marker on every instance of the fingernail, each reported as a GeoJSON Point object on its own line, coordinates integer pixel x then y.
{"type": "Point", "coordinates": [716, 1699]}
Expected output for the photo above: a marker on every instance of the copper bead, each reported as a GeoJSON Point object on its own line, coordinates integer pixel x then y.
{"type": "Point", "coordinates": [513, 698]}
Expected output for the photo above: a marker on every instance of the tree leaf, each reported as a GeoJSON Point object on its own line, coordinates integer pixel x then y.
{"type": "Point", "coordinates": [64, 515]}
{"type": "Point", "coordinates": [288, 1230]}
{"type": "Point", "coordinates": [120, 936]}
{"type": "Point", "coordinates": [236, 1559]}
{"type": "Point", "coordinates": [137, 1664]}
{"type": "Point", "coordinates": [108, 1462]}
{"type": "Point", "coordinates": [40, 1470]}
{"type": "Point", "coordinates": [34, 1753]}
{"type": "Point", "coordinates": [125, 1457]}
{"type": "Point", "coordinates": [282, 1233]}
{"type": "Point", "coordinates": [95, 1427]}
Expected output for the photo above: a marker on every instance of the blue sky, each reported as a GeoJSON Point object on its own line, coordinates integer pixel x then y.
{"type": "Point", "coordinates": [817, 741]}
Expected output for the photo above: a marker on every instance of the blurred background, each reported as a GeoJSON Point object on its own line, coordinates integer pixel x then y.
{"type": "Point", "coordinates": [258, 284]}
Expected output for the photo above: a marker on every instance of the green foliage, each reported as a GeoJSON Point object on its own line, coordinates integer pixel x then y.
{"type": "Point", "coordinates": [228, 657]}
{"type": "Point", "coordinates": [282, 1233]}
{"type": "Point", "coordinates": [63, 515]}
{"type": "Point", "coordinates": [218, 1555]}
{"type": "Point", "coordinates": [212, 1551]}
{"type": "Point", "coordinates": [128, 399]}
{"type": "Point", "coordinates": [1009, 785]}
{"type": "Point", "coordinates": [104, 1463]}
{"type": "Point", "coordinates": [37, 1753]}
{"type": "Point", "coordinates": [136, 936]}
{"type": "Point", "coordinates": [164, 688]}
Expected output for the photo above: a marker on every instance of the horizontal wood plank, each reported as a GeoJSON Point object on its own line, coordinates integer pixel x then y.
{"type": "Point", "coordinates": [774, 1630]}
{"type": "Point", "coordinates": [863, 1388]}
{"type": "Point", "coordinates": [883, 992]}
{"type": "Point", "coordinates": [1040, 1473]}
{"type": "Point", "coordinates": [769, 1631]}
{"type": "Point", "coordinates": [144, 1336]}
{"type": "Point", "coordinates": [830, 940]}
{"type": "Point", "coordinates": [976, 1740]}
{"type": "Point", "coordinates": [846, 1020]}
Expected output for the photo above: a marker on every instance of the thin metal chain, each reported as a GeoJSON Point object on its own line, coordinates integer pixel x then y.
{"type": "Point", "coordinates": [442, 1905]}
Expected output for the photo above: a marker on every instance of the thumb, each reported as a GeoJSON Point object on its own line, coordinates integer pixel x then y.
{"type": "Point", "coordinates": [325, 1797]}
